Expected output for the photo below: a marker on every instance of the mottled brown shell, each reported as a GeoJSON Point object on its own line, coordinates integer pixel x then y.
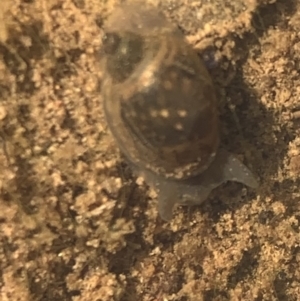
{"type": "Point", "coordinates": [160, 106]}
{"type": "Point", "coordinates": [158, 96]}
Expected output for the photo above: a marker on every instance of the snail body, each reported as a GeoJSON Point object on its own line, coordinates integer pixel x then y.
{"type": "Point", "coordinates": [161, 108]}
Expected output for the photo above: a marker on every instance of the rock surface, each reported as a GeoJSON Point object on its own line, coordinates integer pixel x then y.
{"type": "Point", "coordinates": [76, 225]}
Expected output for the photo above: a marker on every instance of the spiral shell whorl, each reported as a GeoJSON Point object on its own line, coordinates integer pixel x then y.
{"type": "Point", "coordinates": [161, 108]}
{"type": "Point", "coordinates": [164, 113]}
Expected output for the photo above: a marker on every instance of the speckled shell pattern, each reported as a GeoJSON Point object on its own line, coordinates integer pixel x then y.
{"type": "Point", "coordinates": [163, 115]}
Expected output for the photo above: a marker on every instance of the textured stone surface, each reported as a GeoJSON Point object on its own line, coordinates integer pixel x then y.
{"type": "Point", "coordinates": [75, 224]}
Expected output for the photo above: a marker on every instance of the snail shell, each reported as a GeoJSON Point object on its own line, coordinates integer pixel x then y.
{"type": "Point", "coordinates": [160, 106]}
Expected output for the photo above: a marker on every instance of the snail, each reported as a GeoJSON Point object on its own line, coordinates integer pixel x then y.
{"type": "Point", "coordinates": [161, 108]}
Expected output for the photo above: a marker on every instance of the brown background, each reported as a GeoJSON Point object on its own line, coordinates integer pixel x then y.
{"type": "Point", "coordinates": [75, 225]}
